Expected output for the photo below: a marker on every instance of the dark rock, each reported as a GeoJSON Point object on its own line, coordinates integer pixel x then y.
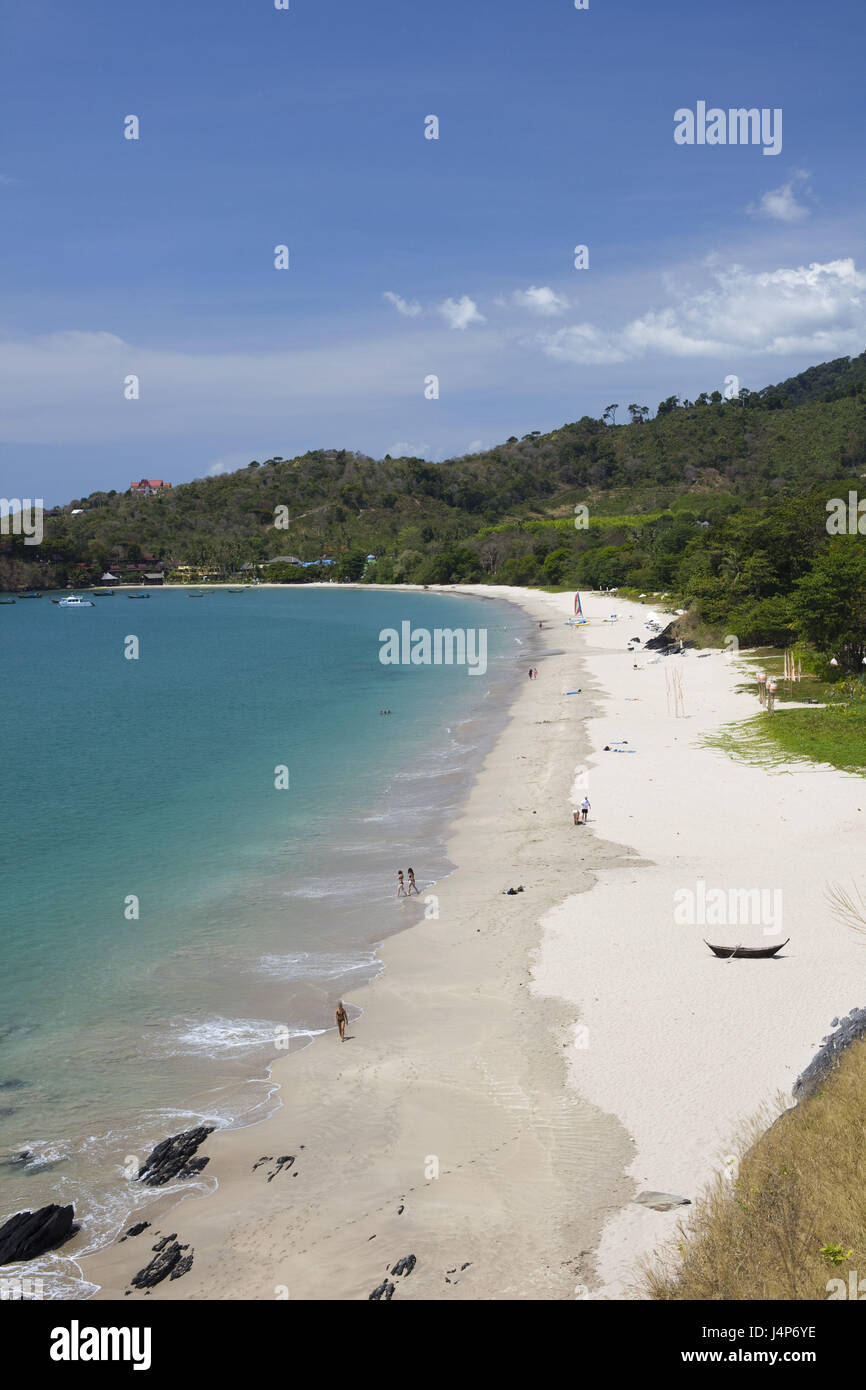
{"type": "Point", "coordinates": [173, 1158]}
{"type": "Point", "coordinates": [848, 1030]}
{"type": "Point", "coordinates": [466, 1266]}
{"type": "Point", "coordinates": [166, 1240]}
{"type": "Point", "coordinates": [168, 1259]}
{"type": "Point", "coordinates": [384, 1291]}
{"type": "Point", "coordinates": [30, 1233]}
{"type": "Point", "coordinates": [405, 1266]}
{"type": "Point", "coordinates": [183, 1266]}
{"type": "Point", "coordinates": [283, 1165]}
{"type": "Point", "coordinates": [664, 640]}
{"type": "Point", "coordinates": [13, 1084]}
{"type": "Point", "coordinates": [135, 1230]}
{"type": "Point", "coordinates": [400, 1210]}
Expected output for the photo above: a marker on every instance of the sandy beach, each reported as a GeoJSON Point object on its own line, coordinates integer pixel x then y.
{"type": "Point", "coordinates": [526, 1065]}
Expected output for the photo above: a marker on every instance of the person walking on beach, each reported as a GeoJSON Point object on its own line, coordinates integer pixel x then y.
{"type": "Point", "coordinates": [401, 887]}
{"type": "Point", "coordinates": [584, 807]}
{"type": "Point", "coordinates": [530, 673]}
{"type": "Point", "coordinates": [341, 1018]}
{"type": "Point", "coordinates": [412, 884]}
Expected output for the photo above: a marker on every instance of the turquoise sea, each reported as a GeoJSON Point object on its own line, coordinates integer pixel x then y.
{"type": "Point", "coordinates": [148, 785]}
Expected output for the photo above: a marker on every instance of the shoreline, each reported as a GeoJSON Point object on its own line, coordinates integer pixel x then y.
{"type": "Point", "coordinates": [475, 1084]}
{"type": "Point", "coordinates": [558, 1051]}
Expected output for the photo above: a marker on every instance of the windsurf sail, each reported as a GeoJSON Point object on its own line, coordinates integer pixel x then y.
{"type": "Point", "coordinates": [578, 611]}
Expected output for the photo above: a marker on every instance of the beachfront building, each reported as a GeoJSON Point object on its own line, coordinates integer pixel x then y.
{"type": "Point", "coordinates": [109, 578]}
{"type": "Point", "coordinates": [154, 578]}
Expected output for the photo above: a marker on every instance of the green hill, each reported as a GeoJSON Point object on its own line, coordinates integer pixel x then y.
{"type": "Point", "coordinates": [721, 502]}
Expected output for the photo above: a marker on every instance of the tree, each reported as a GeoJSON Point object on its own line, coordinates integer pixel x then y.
{"type": "Point", "coordinates": [610, 414]}
{"type": "Point", "coordinates": [830, 610]}
{"type": "Point", "coordinates": [638, 413]}
{"type": "Point", "coordinates": [351, 566]}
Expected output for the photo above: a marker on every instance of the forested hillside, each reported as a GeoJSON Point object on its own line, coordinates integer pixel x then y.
{"type": "Point", "coordinates": [723, 502]}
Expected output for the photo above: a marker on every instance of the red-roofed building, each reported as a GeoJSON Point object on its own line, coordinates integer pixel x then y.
{"type": "Point", "coordinates": [148, 486]}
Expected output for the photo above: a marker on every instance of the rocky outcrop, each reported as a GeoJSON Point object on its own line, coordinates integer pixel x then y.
{"type": "Point", "coordinates": [404, 1266]}
{"type": "Point", "coordinates": [174, 1157]}
{"type": "Point", "coordinates": [168, 1262]}
{"type": "Point", "coordinates": [385, 1292]}
{"type": "Point", "coordinates": [847, 1031]}
{"type": "Point", "coordinates": [31, 1233]}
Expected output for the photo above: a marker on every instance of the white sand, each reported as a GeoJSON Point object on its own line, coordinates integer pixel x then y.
{"type": "Point", "coordinates": [556, 1053]}
{"type": "Point", "coordinates": [682, 1047]}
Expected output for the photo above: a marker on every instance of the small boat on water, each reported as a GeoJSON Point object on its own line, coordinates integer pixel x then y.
{"type": "Point", "coordinates": [745, 952]}
{"type": "Point", "coordinates": [196, 595]}
{"type": "Point", "coordinates": [138, 595]}
{"type": "Point", "coordinates": [73, 601]}
{"type": "Point", "coordinates": [32, 594]}
{"type": "Point", "coordinates": [242, 590]}
{"type": "Point", "coordinates": [102, 593]}
{"type": "Point", "coordinates": [7, 600]}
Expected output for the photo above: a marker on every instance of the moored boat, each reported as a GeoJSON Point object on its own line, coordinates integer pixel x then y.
{"type": "Point", "coordinates": [73, 601]}
{"type": "Point", "coordinates": [138, 595]}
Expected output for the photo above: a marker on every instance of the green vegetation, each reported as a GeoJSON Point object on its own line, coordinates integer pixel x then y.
{"type": "Point", "coordinates": [721, 504]}
{"type": "Point", "coordinates": [792, 1218]}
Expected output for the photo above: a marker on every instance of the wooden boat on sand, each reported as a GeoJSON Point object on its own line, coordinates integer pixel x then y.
{"type": "Point", "coordinates": [745, 952]}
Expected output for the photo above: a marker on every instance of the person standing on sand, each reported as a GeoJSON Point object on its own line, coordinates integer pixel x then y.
{"type": "Point", "coordinates": [584, 807]}
{"type": "Point", "coordinates": [401, 888]}
{"type": "Point", "coordinates": [412, 884]}
{"type": "Point", "coordinates": [341, 1018]}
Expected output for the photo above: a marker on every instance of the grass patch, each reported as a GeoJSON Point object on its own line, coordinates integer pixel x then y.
{"type": "Point", "coordinates": [834, 735]}
{"type": "Point", "coordinates": [792, 1218]}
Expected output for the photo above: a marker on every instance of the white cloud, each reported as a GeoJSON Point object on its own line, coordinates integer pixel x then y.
{"type": "Point", "coordinates": [476, 446]}
{"type": "Point", "coordinates": [403, 449]}
{"type": "Point", "coordinates": [410, 308]}
{"type": "Point", "coordinates": [229, 463]}
{"type": "Point", "coordinates": [540, 299]}
{"type": "Point", "coordinates": [459, 313]}
{"type": "Point", "coordinates": [781, 203]}
{"type": "Point", "coordinates": [818, 309]}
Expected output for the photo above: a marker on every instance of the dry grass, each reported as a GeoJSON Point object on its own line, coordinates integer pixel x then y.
{"type": "Point", "coordinates": [800, 1191]}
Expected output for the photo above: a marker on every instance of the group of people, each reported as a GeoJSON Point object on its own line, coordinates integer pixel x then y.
{"type": "Point", "coordinates": [402, 890]}
{"type": "Point", "coordinates": [533, 673]}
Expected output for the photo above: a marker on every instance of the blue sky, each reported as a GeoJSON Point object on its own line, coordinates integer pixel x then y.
{"type": "Point", "coordinates": [305, 127]}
